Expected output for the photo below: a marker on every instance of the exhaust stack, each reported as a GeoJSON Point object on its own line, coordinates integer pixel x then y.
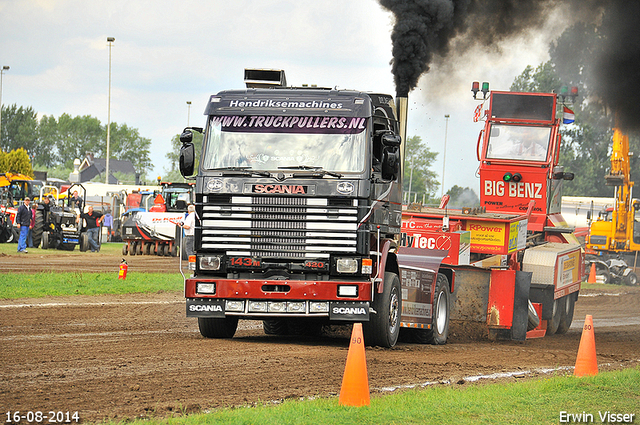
{"type": "Point", "coordinates": [264, 78]}
{"type": "Point", "coordinates": [402, 106]}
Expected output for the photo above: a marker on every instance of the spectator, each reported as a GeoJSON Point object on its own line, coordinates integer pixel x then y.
{"type": "Point", "coordinates": [188, 225]}
{"type": "Point", "coordinates": [76, 201]}
{"type": "Point", "coordinates": [23, 221]}
{"type": "Point", "coordinates": [108, 223]}
{"type": "Point", "coordinates": [31, 226]}
{"type": "Point", "coordinates": [93, 220]}
{"type": "Point", "coordinates": [46, 203]}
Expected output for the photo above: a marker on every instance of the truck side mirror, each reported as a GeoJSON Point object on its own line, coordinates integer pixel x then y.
{"type": "Point", "coordinates": [186, 137]}
{"type": "Point", "coordinates": [390, 162]}
{"type": "Point", "coordinates": [390, 139]}
{"type": "Point", "coordinates": [187, 157]}
{"type": "Point", "coordinates": [568, 176]}
{"type": "Point", "coordinates": [588, 215]}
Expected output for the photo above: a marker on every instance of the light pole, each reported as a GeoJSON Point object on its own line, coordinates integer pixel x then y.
{"type": "Point", "coordinates": [110, 40]}
{"type": "Point", "coordinates": [4, 68]}
{"type": "Point", "coordinates": [444, 153]}
{"type": "Point", "coordinates": [188, 111]}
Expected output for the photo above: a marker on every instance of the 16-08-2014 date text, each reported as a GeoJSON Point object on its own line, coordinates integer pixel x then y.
{"type": "Point", "coordinates": [50, 417]}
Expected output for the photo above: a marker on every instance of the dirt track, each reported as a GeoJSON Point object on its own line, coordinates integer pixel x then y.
{"type": "Point", "coordinates": [135, 356]}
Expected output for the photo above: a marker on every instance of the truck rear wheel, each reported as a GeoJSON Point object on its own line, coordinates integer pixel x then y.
{"type": "Point", "coordinates": [217, 328]}
{"type": "Point", "coordinates": [383, 327]}
{"type": "Point", "coordinates": [439, 331]}
{"type": "Point", "coordinates": [567, 314]}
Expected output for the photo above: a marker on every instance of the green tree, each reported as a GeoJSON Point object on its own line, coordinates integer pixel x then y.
{"type": "Point", "coordinates": [19, 130]}
{"type": "Point", "coordinates": [420, 182]}
{"type": "Point", "coordinates": [126, 144]}
{"type": "Point", "coordinates": [74, 137]}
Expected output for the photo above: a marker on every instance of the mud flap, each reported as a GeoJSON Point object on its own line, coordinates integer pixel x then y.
{"type": "Point", "coordinates": [206, 307]}
{"type": "Point", "coordinates": [521, 306]}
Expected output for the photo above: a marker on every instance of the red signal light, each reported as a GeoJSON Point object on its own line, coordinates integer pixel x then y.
{"type": "Point", "coordinates": [475, 88]}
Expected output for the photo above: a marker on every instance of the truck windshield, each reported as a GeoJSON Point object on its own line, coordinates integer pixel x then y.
{"type": "Point", "coordinates": [520, 142]}
{"type": "Point", "coordinates": [334, 144]}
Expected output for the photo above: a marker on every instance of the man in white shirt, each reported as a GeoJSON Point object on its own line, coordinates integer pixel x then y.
{"type": "Point", "coordinates": [188, 225]}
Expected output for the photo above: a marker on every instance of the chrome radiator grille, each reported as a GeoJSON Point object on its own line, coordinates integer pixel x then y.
{"type": "Point", "coordinates": [279, 227]}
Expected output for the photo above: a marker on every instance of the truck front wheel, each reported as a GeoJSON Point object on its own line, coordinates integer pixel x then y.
{"type": "Point", "coordinates": [383, 327]}
{"type": "Point", "coordinates": [217, 328]}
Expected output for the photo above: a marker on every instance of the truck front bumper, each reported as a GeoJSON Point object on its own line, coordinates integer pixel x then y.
{"type": "Point", "coordinates": [337, 300]}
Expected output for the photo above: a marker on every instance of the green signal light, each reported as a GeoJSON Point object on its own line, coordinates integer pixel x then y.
{"type": "Point", "coordinates": [507, 177]}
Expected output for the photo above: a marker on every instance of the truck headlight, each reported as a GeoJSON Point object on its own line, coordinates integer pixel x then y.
{"type": "Point", "coordinates": [346, 265]}
{"type": "Point", "coordinates": [318, 307]}
{"type": "Point", "coordinates": [210, 262]}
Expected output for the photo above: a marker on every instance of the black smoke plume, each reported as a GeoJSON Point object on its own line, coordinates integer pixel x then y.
{"type": "Point", "coordinates": [427, 31]}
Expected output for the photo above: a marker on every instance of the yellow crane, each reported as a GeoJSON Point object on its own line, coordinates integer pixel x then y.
{"type": "Point", "coordinates": [616, 232]}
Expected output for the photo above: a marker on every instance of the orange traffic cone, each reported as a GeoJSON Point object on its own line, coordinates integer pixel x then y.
{"type": "Point", "coordinates": [587, 363]}
{"type": "Point", "coordinates": [355, 382]}
{"type": "Point", "coordinates": [592, 274]}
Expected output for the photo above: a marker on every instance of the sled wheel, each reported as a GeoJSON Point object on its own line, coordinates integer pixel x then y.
{"type": "Point", "coordinates": [567, 314]}
{"type": "Point", "coordinates": [556, 316]}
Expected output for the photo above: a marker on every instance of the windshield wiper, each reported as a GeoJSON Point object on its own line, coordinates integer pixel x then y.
{"type": "Point", "coordinates": [315, 171]}
{"type": "Point", "coordinates": [243, 171]}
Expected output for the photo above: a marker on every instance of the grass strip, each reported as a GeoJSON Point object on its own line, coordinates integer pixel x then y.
{"type": "Point", "coordinates": [540, 401]}
{"type": "Point", "coordinates": [46, 284]}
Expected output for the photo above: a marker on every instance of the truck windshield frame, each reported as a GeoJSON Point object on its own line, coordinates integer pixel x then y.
{"type": "Point", "coordinates": [519, 142]}
{"type": "Point", "coordinates": [266, 143]}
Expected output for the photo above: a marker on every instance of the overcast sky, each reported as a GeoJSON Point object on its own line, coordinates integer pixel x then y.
{"type": "Point", "coordinates": [169, 52]}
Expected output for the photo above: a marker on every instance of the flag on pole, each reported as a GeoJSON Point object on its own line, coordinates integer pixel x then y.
{"type": "Point", "coordinates": [477, 112]}
{"type": "Point", "coordinates": [568, 116]}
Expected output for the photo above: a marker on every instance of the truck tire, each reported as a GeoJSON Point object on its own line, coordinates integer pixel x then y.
{"type": "Point", "coordinates": [45, 242]}
{"type": "Point", "coordinates": [567, 314]}
{"type": "Point", "coordinates": [275, 327]}
{"type": "Point", "coordinates": [630, 280]}
{"type": "Point", "coordinates": [38, 227]}
{"type": "Point", "coordinates": [84, 241]}
{"type": "Point", "coordinates": [218, 328]}
{"type": "Point", "coordinates": [556, 316]}
{"type": "Point", "coordinates": [125, 249]}
{"type": "Point", "coordinates": [383, 327]}
{"type": "Point", "coordinates": [439, 331]}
